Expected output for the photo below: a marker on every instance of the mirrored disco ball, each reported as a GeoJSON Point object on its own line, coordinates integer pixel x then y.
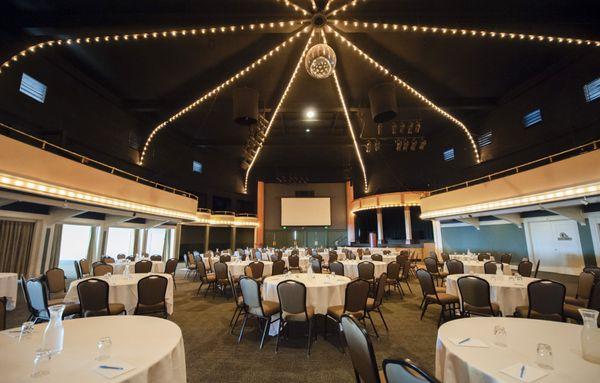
{"type": "Point", "coordinates": [320, 61]}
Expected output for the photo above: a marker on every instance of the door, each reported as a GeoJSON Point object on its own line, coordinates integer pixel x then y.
{"type": "Point", "coordinates": [556, 244]}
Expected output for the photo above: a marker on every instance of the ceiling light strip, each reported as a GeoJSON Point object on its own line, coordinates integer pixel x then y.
{"type": "Point", "coordinates": [328, 5]}
{"type": "Point", "coordinates": [217, 89]}
{"type": "Point", "coordinates": [349, 124]}
{"type": "Point", "coordinates": [276, 111]}
{"type": "Point", "coordinates": [131, 37]}
{"type": "Point", "coordinates": [295, 7]}
{"type": "Point", "coordinates": [412, 91]}
{"type": "Point", "coordinates": [473, 33]}
{"type": "Point", "coordinates": [344, 7]}
{"type": "Point", "coordinates": [532, 199]}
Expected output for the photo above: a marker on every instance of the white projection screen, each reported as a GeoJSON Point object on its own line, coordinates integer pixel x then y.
{"type": "Point", "coordinates": [306, 211]}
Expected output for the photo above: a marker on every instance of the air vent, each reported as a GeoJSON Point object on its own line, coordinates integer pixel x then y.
{"type": "Point", "coordinates": [485, 139]}
{"type": "Point", "coordinates": [196, 167]}
{"type": "Point", "coordinates": [532, 118]}
{"type": "Point", "coordinates": [33, 88]}
{"type": "Point", "coordinates": [449, 154]}
{"type": "Point", "coordinates": [592, 90]}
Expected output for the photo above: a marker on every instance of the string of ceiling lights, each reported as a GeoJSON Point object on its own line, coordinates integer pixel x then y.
{"type": "Point", "coordinates": [155, 35]}
{"type": "Point", "coordinates": [218, 89]}
{"type": "Point", "coordinates": [474, 33]}
{"type": "Point", "coordinates": [295, 7]}
{"type": "Point", "coordinates": [410, 89]}
{"type": "Point", "coordinates": [279, 104]}
{"type": "Point", "coordinates": [344, 7]}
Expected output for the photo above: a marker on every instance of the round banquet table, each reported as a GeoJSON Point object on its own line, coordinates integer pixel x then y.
{"type": "Point", "coordinates": [153, 346]}
{"type": "Point", "coordinates": [322, 290]}
{"type": "Point", "coordinates": [351, 268]}
{"type": "Point", "coordinates": [459, 364]}
{"type": "Point", "coordinates": [464, 257]}
{"type": "Point", "coordinates": [119, 267]}
{"type": "Point", "coordinates": [8, 289]}
{"type": "Point", "coordinates": [506, 291]}
{"type": "Point", "coordinates": [237, 268]}
{"type": "Point", "coordinates": [388, 258]}
{"type": "Point", "coordinates": [302, 262]}
{"type": "Point", "coordinates": [123, 290]}
{"type": "Point", "coordinates": [476, 267]}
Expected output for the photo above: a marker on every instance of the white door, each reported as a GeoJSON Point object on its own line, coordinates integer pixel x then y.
{"type": "Point", "coordinates": [556, 244]}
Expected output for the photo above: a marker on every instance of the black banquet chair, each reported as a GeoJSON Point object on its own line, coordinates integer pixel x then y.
{"type": "Point", "coordinates": [36, 295]}
{"type": "Point", "coordinates": [93, 298]}
{"type": "Point", "coordinates": [405, 371]}
{"type": "Point", "coordinates": [475, 297]}
{"type": "Point", "coordinates": [361, 351]}
{"type": "Point", "coordinates": [524, 268]}
{"type": "Point", "coordinates": [546, 299]}
{"type": "Point", "coordinates": [151, 296]}
{"type": "Point", "coordinates": [455, 266]}
{"type": "Point", "coordinates": [143, 266]}
{"type": "Point", "coordinates": [292, 301]}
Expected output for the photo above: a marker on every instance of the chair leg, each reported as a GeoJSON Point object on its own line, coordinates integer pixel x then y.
{"type": "Point", "coordinates": [424, 309]}
{"type": "Point", "coordinates": [310, 328]}
{"type": "Point", "coordinates": [372, 324]}
{"type": "Point", "coordinates": [382, 319]}
{"type": "Point", "coordinates": [234, 313]}
{"type": "Point", "coordinates": [267, 324]}
{"type": "Point", "coordinates": [442, 316]}
{"type": "Point", "coordinates": [341, 337]}
{"type": "Point", "coordinates": [278, 334]}
{"type": "Point", "coordinates": [243, 327]}
{"type": "Point", "coordinates": [199, 287]}
{"type": "Point", "coordinates": [325, 326]}
{"type": "Point", "coordinates": [408, 284]}
{"type": "Point", "coordinates": [237, 318]}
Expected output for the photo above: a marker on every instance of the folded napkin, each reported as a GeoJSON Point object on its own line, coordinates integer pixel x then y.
{"type": "Point", "coordinates": [110, 373]}
{"type": "Point", "coordinates": [530, 373]}
{"type": "Point", "coordinates": [469, 342]}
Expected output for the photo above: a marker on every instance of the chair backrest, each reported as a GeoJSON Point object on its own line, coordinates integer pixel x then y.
{"type": "Point", "coordinates": [25, 293]}
{"type": "Point", "coordinates": [225, 258]}
{"type": "Point", "coordinates": [367, 252]}
{"type": "Point", "coordinates": [292, 297]}
{"type": "Point", "coordinates": [525, 268]}
{"type": "Point", "coordinates": [55, 280]}
{"type": "Point", "coordinates": [483, 257]}
{"type": "Point", "coordinates": [474, 291]}
{"type": "Point", "coordinates": [258, 269]}
{"type": "Point", "coordinates": [101, 269]}
{"type": "Point", "coordinates": [377, 257]}
{"type": "Point", "coordinates": [594, 301]}
{"type": "Point", "coordinates": [350, 255]}
{"type": "Point", "coordinates": [431, 264]}
{"type": "Point", "coordinates": [108, 260]}
{"type": "Point", "coordinates": [77, 269]}
{"type": "Point", "coordinates": [273, 257]}
{"type": "Point", "coordinates": [121, 256]}
{"type": "Point", "coordinates": [333, 256]}
{"type": "Point", "coordinates": [156, 257]}
{"type": "Point", "coordinates": [357, 293]}
{"type": "Point", "coordinates": [594, 270]}
{"type": "Point", "coordinates": [455, 266]}
{"type": "Point", "coordinates": [445, 257]}
{"type": "Point", "coordinates": [361, 350]}
{"type": "Point", "coordinates": [405, 269]}
{"type": "Point", "coordinates": [506, 258]}
{"type": "Point", "coordinates": [585, 284]}
{"type": "Point", "coordinates": [250, 293]}
{"type": "Point", "coordinates": [379, 293]}
{"type": "Point", "coordinates": [336, 267]}
{"type": "Point", "coordinates": [171, 266]}
{"type": "Point", "coordinates": [84, 265]}
{"type": "Point", "coordinates": [38, 296]}
{"type": "Point", "coordinates": [201, 269]}
{"type": "Point", "coordinates": [546, 297]}
{"type": "Point", "coordinates": [131, 258]}
{"type": "Point", "coordinates": [393, 270]}
{"type": "Point", "coordinates": [220, 271]}
{"type": "Point", "coordinates": [490, 267]}
{"type": "Point", "coordinates": [93, 297]}
{"type": "Point", "coordinates": [2, 313]}
{"type": "Point", "coordinates": [278, 267]}
{"type": "Point", "coordinates": [152, 290]}
{"type": "Point", "coordinates": [294, 260]}
{"type": "Point", "coordinates": [315, 265]}
{"type": "Point", "coordinates": [366, 270]}
{"type": "Point", "coordinates": [401, 258]}
{"type": "Point", "coordinates": [404, 371]}
{"type": "Point", "coordinates": [143, 266]}
{"type": "Point", "coordinates": [426, 281]}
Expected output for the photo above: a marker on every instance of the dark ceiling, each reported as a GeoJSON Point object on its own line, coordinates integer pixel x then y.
{"type": "Point", "coordinates": [153, 79]}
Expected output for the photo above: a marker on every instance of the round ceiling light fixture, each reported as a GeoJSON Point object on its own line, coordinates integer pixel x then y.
{"type": "Point", "coordinates": [320, 61]}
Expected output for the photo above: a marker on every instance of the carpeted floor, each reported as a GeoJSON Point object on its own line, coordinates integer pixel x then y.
{"type": "Point", "coordinates": [213, 355]}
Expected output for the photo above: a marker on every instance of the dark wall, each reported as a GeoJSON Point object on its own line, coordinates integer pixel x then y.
{"type": "Point", "coordinates": [220, 238]}
{"type": "Point", "coordinates": [244, 238]}
{"type": "Point", "coordinates": [192, 238]}
{"type": "Point", "coordinates": [394, 228]}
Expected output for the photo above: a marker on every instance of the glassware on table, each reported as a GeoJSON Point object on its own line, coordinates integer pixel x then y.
{"type": "Point", "coordinates": [544, 356]}
{"type": "Point", "coordinates": [26, 329]}
{"type": "Point", "coordinates": [590, 336]}
{"type": "Point", "coordinates": [54, 334]}
{"type": "Point", "coordinates": [41, 363]}
{"type": "Point", "coordinates": [500, 336]}
{"type": "Point", "coordinates": [104, 345]}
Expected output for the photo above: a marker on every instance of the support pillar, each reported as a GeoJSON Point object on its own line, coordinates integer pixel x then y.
{"type": "Point", "coordinates": [103, 240]}
{"type": "Point", "coordinates": [349, 214]}
{"type": "Point", "coordinates": [176, 249]}
{"type": "Point", "coordinates": [232, 239]}
{"type": "Point", "coordinates": [407, 224]}
{"type": "Point", "coordinates": [206, 239]}
{"type": "Point", "coordinates": [259, 239]}
{"type": "Point", "coordinates": [437, 236]}
{"type": "Point", "coordinates": [379, 226]}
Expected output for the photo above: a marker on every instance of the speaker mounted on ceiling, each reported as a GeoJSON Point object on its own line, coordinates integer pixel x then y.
{"type": "Point", "coordinates": [384, 106]}
{"type": "Point", "coordinates": [245, 106]}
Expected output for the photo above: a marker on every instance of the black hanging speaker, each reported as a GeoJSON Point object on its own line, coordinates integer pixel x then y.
{"type": "Point", "coordinates": [383, 102]}
{"type": "Point", "coordinates": [245, 106]}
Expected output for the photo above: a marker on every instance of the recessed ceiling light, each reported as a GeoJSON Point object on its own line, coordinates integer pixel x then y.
{"type": "Point", "coordinates": [307, 130]}
{"type": "Point", "coordinates": [310, 113]}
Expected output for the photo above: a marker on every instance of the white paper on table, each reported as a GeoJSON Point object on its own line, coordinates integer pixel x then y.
{"type": "Point", "coordinates": [472, 342]}
{"type": "Point", "coordinates": [530, 374]}
{"type": "Point", "coordinates": [109, 373]}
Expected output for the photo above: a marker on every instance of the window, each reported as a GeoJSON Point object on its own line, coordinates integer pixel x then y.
{"type": "Point", "coordinates": [196, 167]}
{"type": "Point", "coordinates": [120, 241]}
{"type": "Point", "coordinates": [592, 90]}
{"type": "Point", "coordinates": [449, 154]}
{"type": "Point", "coordinates": [156, 241]}
{"type": "Point", "coordinates": [485, 139]}
{"type": "Point", "coordinates": [532, 118]}
{"type": "Point", "coordinates": [32, 88]}
{"type": "Point", "coordinates": [74, 242]}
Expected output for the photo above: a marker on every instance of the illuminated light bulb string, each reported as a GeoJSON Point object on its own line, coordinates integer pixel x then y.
{"type": "Point", "coordinates": [217, 89]}
{"type": "Point", "coordinates": [296, 7]}
{"type": "Point", "coordinates": [473, 33]}
{"type": "Point", "coordinates": [279, 104]}
{"type": "Point", "coordinates": [343, 8]}
{"type": "Point", "coordinates": [349, 123]}
{"type": "Point", "coordinates": [132, 37]}
{"type": "Point", "coordinates": [411, 90]}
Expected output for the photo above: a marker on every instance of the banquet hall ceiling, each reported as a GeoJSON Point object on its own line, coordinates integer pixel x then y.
{"type": "Point", "coordinates": [153, 79]}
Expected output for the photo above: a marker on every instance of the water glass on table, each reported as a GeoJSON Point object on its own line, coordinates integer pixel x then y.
{"type": "Point", "coordinates": [500, 336]}
{"type": "Point", "coordinates": [41, 363]}
{"type": "Point", "coordinates": [544, 356]}
{"type": "Point", "coordinates": [103, 346]}
{"type": "Point", "coordinates": [26, 329]}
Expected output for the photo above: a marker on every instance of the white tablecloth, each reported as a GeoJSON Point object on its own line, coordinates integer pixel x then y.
{"type": "Point", "coordinates": [388, 258]}
{"type": "Point", "coordinates": [322, 290]}
{"type": "Point", "coordinates": [153, 346]}
{"type": "Point", "coordinates": [458, 364]}
{"type": "Point", "coordinates": [8, 289]}
{"type": "Point", "coordinates": [302, 261]}
{"type": "Point", "coordinates": [123, 290]}
{"type": "Point", "coordinates": [237, 268]}
{"type": "Point", "coordinates": [351, 268]}
{"type": "Point", "coordinates": [464, 257]}
{"type": "Point", "coordinates": [118, 268]}
{"type": "Point", "coordinates": [504, 290]}
{"type": "Point", "coordinates": [476, 267]}
{"type": "Point", "coordinates": [209, 262]}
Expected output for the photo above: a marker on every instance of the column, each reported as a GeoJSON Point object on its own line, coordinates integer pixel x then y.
{"type": "Point", "coordinates": [176, 249]}
{"type": "Point", "coordinates": [349, 215]}
{"type": "Point", "coordinates": [206, 239]}
{"type": "Point", "coordinates": [232, 239]}
{"type": "Point", "coordinates": [407, 224]}
{"type": "Point", "coordinates": [379, 226]}
{"type": "Point", "coordinates": [437, 236]}
{"type": "Point", "coordinates": [103, 240]}
{"type": "Point", "coordinates": [259, 239]}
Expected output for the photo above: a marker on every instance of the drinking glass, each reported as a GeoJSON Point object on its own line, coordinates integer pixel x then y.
{"type": "Point", "coordinates": [333, 274]}
{"type": "Point", "coordinates": [26, 329]}
{"type": "Point", "coordinates": [104, 345]}
{"type": "Point", "coordinates": [41, 363]}
{"type": "Point", "coordinates": [500, 336]}
{"type": "Point", "coordinates": [544, 356]}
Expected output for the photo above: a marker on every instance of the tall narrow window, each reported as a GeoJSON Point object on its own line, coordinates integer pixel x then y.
{"type": "Point", "coordinates": [485, 139]}
{"type": "Point", "coordinates": [449, 154]}
{"type": "Point", "coordinates": [33, 88]}
{"type": "Point", "coordinates": [196, 167]}
{"type": "Point", "coordinates": [592, 90]}
{"type": "Point", "coordinates": [532, 118]}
